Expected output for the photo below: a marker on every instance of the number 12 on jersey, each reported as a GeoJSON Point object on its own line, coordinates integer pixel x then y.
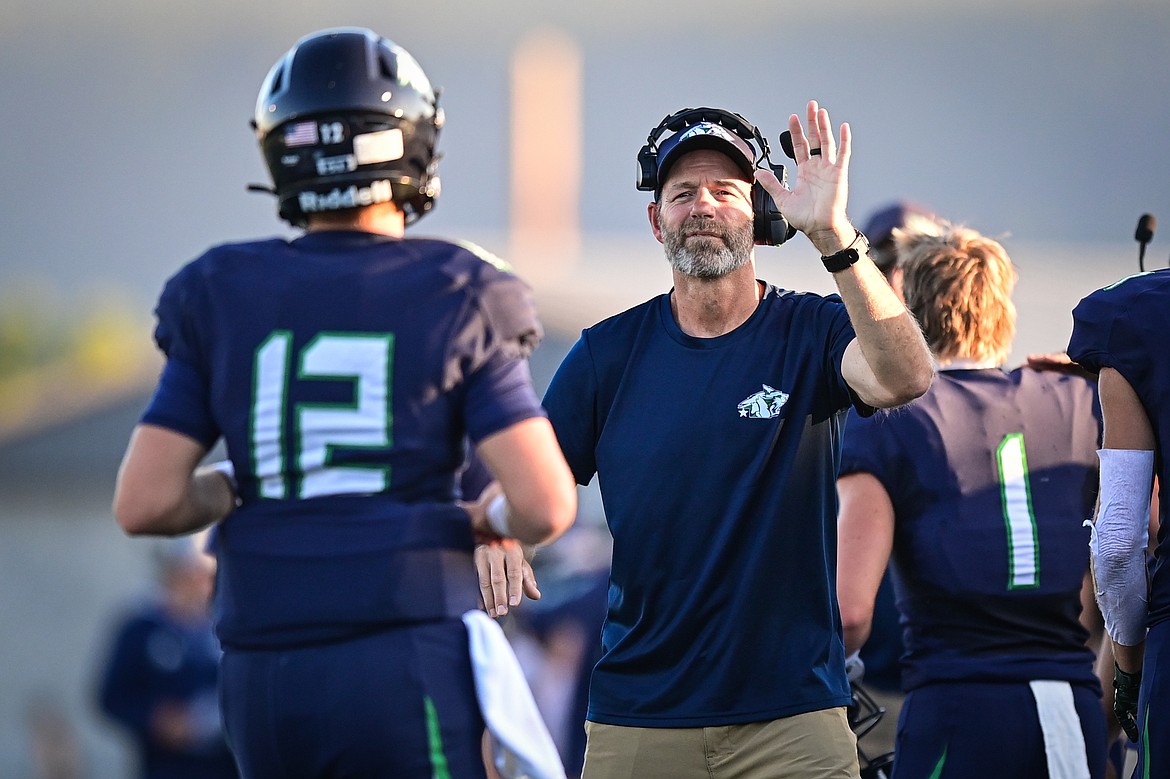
{"type": "Point", "coordinates": [364, 360]}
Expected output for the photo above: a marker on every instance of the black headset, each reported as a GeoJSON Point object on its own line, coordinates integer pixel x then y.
{"type": "Point", "coordinates": [770, 226]}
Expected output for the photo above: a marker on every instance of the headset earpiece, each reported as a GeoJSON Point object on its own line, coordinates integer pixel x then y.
{"type": "Point", "coordinates": [647, 180]}
{"type": "Point", "coordinates": [770, 228]}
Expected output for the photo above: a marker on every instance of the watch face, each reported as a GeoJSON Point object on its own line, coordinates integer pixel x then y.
{"type": "Point", "coordinates": [862, 243]}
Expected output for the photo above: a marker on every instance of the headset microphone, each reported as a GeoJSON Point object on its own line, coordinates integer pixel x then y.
{"type": "Point", "coordinates": [786, 145]}
{"type": "Point", "coordinates": [1143, 235]}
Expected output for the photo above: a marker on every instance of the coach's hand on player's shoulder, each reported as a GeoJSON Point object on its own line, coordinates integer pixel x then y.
{"type": "Point", "coordinates": [505, 575]}
{"type": "Point", "coordinates": [1056, 361]}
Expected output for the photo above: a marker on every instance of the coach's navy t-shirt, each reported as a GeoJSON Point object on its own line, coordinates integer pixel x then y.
{"type": "Point", "coordinates": [716, 459]}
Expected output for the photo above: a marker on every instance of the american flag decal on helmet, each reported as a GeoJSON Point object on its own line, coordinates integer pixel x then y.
{"type": "Point", "coordinates": [301, 134]}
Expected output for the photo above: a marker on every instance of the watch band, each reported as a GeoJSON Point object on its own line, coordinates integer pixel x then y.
{"type": "Point", "coordinates": [847, 256]}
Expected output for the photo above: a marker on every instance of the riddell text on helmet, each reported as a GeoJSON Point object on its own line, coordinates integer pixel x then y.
{"type": "Point", "coordinates": [354, 196]}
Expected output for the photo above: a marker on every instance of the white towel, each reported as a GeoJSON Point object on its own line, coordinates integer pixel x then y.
{"type": "Point", "coordinates": [521, 745]}
{"type": "Point", "coordinates": [1064, 741]}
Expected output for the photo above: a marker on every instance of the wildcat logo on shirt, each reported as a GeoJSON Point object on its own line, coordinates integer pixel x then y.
{"type": "Point", "coordinates": [764, 404]}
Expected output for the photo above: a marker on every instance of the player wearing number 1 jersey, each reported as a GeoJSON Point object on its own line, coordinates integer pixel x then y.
{"type": "Point", "coordinates": [976, 494]}
{"type": "Point", "coordinates": [346, 370]}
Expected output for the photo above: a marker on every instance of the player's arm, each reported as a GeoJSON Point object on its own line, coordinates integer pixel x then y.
{"type": "Point", "coordinates": [865, 538]}
{"type": "Point", "coordinates": [888, 364]}
{"type": "Point", "coordinates": [1118, 540]}
{"type": "Point", "coordinates": [1122, 521]}
{"type": "Point", "coordinates": [539, 500]}
{"type": "Point", "coordinates": [1102, 648]}
{"type": "Point", "coordinates": [502, 564]}
{"type": "Point", "coordinates": [161, 490]}
{"type": "Point", "coordinates": [533, 500]}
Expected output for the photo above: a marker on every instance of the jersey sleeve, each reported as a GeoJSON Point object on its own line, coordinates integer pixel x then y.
{"type": "Point", "coordinates": [494, 346]}
{"type": "Point", "coordinates": [181, 400]}
{"type": "Point", "coordinates": [504, 300]}
{"type": "Point", "coordinates": [498, 321]}
{"type": "Point", "coordinates": [571, 403]}
{"type": "Point", "coordinates": [499, 395]}
{"type": "Point", "coordinates": [864, 448]}
{"type": "Point", "coordinates": [510, 316]}
{"type": "Point", "coordinates": [1093, 320]}
{"type": "Point", "coordinates": [1109, 331]}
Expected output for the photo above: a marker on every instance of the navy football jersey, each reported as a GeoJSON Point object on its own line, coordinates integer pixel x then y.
{"type": "Point", "coordinates": [345, 371]}
{"type": "Point", "coordinates": [716, 460]}
{"type": "Point", "coordinates": [991, 475]}
{"type": "Point", "coordinates": [1126, 326]}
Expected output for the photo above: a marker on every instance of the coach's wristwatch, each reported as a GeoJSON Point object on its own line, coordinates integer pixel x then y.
{"type": "Point", "coordinates": [847, 256]}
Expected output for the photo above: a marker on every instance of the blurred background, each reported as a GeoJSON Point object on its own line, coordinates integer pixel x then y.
{"type": "Point", "coordinates": [126, 151]}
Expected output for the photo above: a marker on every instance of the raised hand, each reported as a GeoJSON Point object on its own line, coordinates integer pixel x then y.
{"type": "Point", "coordinates": [816, 203]}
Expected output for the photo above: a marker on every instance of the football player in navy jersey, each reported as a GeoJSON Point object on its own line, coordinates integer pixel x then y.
{"type": "Point", "coordinates": [1120, 332]}
{"type": "Point", "coordinates": [345, 370]}
{"type": "Point", "coordinates": [881, 652]}
{"type": "Point", "coordinates": [161, 681]}
{"type": "Point", "coordinates": [711, 417]}
{"type": "Point", "coordinates": [977, 493]}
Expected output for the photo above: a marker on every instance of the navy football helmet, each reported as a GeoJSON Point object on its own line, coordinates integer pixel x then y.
{"type": "Point", "coordinates": [347, 118]}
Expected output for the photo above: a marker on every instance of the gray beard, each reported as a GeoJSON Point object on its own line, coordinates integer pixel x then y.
{"type": "Point", "coordinates": [707, 257]}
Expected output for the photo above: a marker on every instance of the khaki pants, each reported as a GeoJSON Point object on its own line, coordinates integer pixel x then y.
{"type": "Point", "coordinates": [816, 745]}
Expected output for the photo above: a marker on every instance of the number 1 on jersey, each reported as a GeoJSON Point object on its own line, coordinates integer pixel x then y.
{"type": "Point", "coordinates": [1023, 545]}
